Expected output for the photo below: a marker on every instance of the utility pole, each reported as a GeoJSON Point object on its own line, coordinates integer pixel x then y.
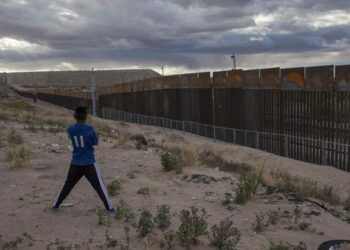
{"type": "Point", "coordinates": [93, 91]}
{"type": "Point", "coordinates": [234, 60]}
{"type": "Point", "coordinates": [162, 70]}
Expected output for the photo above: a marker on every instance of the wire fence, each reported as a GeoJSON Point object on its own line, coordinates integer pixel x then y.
{"type": "Point", "coordinates": [299, 148]}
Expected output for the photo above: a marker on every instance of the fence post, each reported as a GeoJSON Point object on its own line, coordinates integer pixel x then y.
{"type": "Point", "coordinates": [245, 137]}
{"type": "Point", "coordinates": [183, 127]}
{"type": "Point", "coordinates": [234, 136]}
{"type": "Point", "coordinates": [286, 142]}
{"type": "Point", "coordinates": [197, 128]}
{"type": "Point", "coordinates": [303, 149]}
{"type": "Point", "coordinates": [324, 153]}
{"type": "Point", "coordinates": [347, 161]}
{"type": "Point", "coordinates": [224, 134]}
{"type": "Point", "coordinates": [257, 140]}
{"type": "Point", "coordinates": [214, 133]}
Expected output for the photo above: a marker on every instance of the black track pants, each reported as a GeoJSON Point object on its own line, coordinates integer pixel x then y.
{"type": "Point", "coordinates": [92, 173]}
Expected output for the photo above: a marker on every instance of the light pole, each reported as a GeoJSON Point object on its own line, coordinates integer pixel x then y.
{"type": "Point", "coordinates": [93, 91]}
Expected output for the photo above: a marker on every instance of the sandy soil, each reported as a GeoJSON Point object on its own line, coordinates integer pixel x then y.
{"type": "Point", "coordinates": [27, 194]}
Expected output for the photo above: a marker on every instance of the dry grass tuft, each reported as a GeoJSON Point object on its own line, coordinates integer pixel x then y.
{"type": "Point", "coordinates": [123, 138]}
{"type": "Point", "coordinates": [189, 158]}
{"type": "Point", "coordinates": [19, 158]}
{"type": "Point", "coordinates": [14, 138]}
{"type": "Point", "coordinates": [19, 105]}
{"type": "Point", "coordinates": [211, 159]}
{"type": "Point", "coordinates": [304, 187]}
{"type": "Point", "coordinates": [248, 186]}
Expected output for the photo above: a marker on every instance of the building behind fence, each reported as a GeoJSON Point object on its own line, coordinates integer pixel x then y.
{"type": "Point", "coordinates": [301, 113]}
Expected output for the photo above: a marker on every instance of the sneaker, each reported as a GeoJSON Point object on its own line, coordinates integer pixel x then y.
{"type": "Point", "coordinates": [54, 208]}
{"type": "Point", "coordinates": [111, 210]}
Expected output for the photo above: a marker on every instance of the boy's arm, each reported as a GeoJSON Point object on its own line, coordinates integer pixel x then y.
{"type": "Point", "coordinates": [94, 137]}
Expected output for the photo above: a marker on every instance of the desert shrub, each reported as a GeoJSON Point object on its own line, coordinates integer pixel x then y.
{"type": "Point", "coordinates": [301, 246]}
{"type": "Point", "coordinates": [169, 237]}
{"type": "Point", "coordinates": [347, 204]}
{"type": "Point", "coordinates": [228, 199]}
{"type": "Point", "coordinates": [103, 130]}
{"type": "Point", "coordinates": [171, 161]}
{"type": "Point", "coordinates": [145, 225]}
{"type": "Point", "coordinates": [20, 105]}
{"type": "Point", "coordinates": [303, 226]}
{"type": "Point", "coordinates": [188, 158]}
{"type": "Point", "coordinates": [124, 211]}
{"type": "Point", "coordinates": [144, 191]}
{"type": "Point", "coordinates": [4, 117]}
{"type": "Point", "coordinates": [14, 138]}
{"type": "Point", "coordinates": [248, 186]}
{"type": "Point", "coordinates": [102, 218]}
{"type": "Point", "coordinates": [259, 225]}
{"type": "Point", "coordinates": [162, 219]}
{"type": "Point", "coordinates": [272, 217]}
{"type": "Point", "coordinates": [131, 175]}
{"type": "Point", "coordinates": [225, 236]}
{"type": "Point", "coordinates": [140, 139]}
{"type": "Point", "coordinates": [127, 240]}
{"type": "Point", "coordinates": [113, 188]}
{"type": "Point", "coordinates": [192, 226]}
{"type": "Point", "coordinates": [110, 242]}
{"type": "Point", "coordinates": [279, 246]}
{"type": "Point", "coordinates": [19, 158]}
{"type": "Point", "coordinates": [33, 124]}
{"type": "Point", "coordinates": [304, 187]}
{"type": "Point", "coordinates": [210, 159]}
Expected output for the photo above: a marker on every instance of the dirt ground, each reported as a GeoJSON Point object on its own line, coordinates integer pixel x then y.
{"type": "Point", "coordinates": [27, 194]}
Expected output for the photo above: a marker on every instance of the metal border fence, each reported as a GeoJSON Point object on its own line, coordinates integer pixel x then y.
{"type": "Point", "coordinates": [280, 144]}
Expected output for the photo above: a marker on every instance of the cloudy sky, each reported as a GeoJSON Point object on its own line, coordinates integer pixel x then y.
{"type": "Point", "coordinates": [182, 35]}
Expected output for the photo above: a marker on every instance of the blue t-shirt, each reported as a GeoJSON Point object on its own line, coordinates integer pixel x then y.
{"type": "Point", "coordinates": [83, 138]}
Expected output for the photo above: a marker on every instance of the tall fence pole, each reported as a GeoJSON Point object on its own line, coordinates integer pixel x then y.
{"type": "Point", "coordinates": [93, 91]}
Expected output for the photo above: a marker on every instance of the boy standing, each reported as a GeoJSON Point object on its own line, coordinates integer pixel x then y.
{"type": "Point", "coordinates": [83, 138]}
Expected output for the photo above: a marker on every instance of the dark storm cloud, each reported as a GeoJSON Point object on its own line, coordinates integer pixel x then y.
{"type": "Point", "coordinates": [173, 32]}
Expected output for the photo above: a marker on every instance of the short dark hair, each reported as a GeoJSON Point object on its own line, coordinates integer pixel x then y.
{"type": "Point", "coordinates": [80, 113]}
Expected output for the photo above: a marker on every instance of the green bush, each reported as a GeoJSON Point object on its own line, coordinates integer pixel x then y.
{"type": "Point", "coordinates": [279, 246]}
{"type": "Point", "coordinates": [192, 226]}
{"type": "Point", "coordinates": [162, 219]}
{"type": "Point", "coordinates": [169, 237]}
{"type": "Point", "coordinates": [124, 211]}
{"type": "Point", "coordinates": [113, 188]}
{"type": "Point", "coordinates": [259, 225]}
{"type": "Point", "coordinates": [145, 225]}
{"type": "Point", "coordinates": [171, 161]}
{"type": "Point", "coordinates": [144, 191]}
{"type": "Point", "coordinates": [225, 236]}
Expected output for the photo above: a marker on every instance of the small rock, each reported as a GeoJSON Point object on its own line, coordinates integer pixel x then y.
{"type": "Point", "coordinates": [55, 145]}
